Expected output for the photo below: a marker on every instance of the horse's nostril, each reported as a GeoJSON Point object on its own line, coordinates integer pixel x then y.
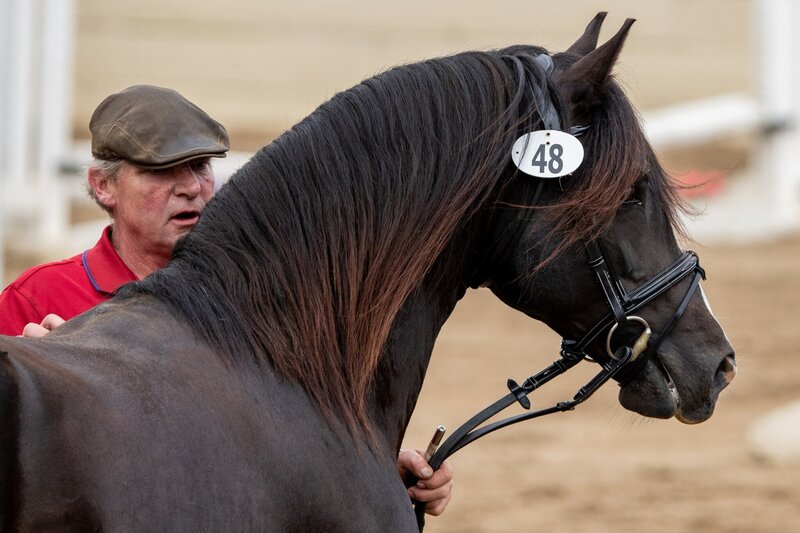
{"type": "Point", "coordinates": [727, 368]}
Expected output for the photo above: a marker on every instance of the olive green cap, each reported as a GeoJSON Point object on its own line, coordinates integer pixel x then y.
{"type": "Point", "coordinates": [153, 127]}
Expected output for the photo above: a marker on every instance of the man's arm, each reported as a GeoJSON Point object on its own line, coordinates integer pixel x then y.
{"type": "Point", "coordinates": [15, 312]}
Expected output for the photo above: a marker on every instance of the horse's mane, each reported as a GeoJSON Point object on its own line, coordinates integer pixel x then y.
{"type": "Point", "coordinates": [304, 258]}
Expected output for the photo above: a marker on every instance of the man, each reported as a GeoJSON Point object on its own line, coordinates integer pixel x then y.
{"type": "Point", "coordinates": [152, 173]}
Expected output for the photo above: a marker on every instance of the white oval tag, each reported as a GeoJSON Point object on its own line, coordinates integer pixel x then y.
{"type": "Point", "coordinates": [547, 153]}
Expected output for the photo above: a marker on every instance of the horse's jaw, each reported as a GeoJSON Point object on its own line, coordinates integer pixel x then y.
{"type": "Point", "coordinates": [690, 398]}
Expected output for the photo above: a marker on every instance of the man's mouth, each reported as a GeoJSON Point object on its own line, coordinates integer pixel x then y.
{"type": "Point", "coordinates": [186, 218]}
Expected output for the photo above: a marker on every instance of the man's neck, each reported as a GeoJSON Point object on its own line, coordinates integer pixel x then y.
{"type": "Point", "coordinates": [140, 261]}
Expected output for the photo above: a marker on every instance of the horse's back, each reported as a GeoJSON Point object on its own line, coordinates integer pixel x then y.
{"type": "Point", "coordinates": [129, 421]}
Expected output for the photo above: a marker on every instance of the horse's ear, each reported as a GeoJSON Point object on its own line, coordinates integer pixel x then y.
{"type": "Point", "coordinates": [582, 81]}
{"type": "Point", "coordinates": [588, 41]}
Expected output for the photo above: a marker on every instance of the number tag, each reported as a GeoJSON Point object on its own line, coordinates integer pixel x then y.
{"type": "Point", "coordinates": [547, 153]}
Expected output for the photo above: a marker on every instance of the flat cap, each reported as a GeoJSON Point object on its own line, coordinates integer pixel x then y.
{"type": "Point", "coordinates": [153, 127]}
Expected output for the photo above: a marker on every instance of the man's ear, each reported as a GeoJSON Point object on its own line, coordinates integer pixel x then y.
{"type": "Point", "coordinates": [104, 188]}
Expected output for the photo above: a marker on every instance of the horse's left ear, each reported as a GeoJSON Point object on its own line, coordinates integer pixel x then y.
{"type": "Point", "coordinates": [588, 41]}
{"type": "Point", "coordinates": [581, 82]}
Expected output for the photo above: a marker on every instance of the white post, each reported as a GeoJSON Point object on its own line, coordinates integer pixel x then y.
{"type": "Point", "coordinates": [777, 60]}
{"type": "Point", "coordinates": [16, 27]}
{"type": "Point", "coordinates": [36, 61]}
{"type": "Point", "coordinates": [5, 66]}
{"type": "Point", "coordinates": [5, 17]}
{"type": "Point", "coordinates": [54, 119]}
{"type": "Point", "coordinates": [18, 97]}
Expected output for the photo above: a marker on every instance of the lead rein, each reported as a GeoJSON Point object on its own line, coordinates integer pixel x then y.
{"type": "Point", "coordinates": [467, 432]}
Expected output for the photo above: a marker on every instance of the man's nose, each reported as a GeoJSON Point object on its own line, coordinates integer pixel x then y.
{"type": "Point", "coordinates": [187, 182]}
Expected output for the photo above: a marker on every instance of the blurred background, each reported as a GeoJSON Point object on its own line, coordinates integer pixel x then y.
{"type": "Point", "coordinates": [718, 86]}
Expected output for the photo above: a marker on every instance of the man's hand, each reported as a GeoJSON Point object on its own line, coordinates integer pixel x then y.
{"type": "Point", "coordinates": [434, 488]}
{"type": "Point", "coordinates": [49, 323]}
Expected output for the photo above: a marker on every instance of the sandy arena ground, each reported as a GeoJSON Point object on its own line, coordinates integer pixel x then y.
{"type": "Point", "coordinates": [601, 468]}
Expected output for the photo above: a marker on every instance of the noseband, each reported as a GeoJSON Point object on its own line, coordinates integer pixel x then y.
{"type": "Point", "coordinates": [622, 304]}
{"type": "Point", "coordinates": [624, 364]}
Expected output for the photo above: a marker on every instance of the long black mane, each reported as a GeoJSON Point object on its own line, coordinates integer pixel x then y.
{"type": "Point", "coordinates": [306, 255]}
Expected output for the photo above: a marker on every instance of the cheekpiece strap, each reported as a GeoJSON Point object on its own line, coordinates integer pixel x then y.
{"type": "Point", "coordinates": [598, 263]}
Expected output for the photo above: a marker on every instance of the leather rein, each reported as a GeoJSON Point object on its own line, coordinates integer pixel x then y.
{"type": "Point", "coordinates": [624, 363]}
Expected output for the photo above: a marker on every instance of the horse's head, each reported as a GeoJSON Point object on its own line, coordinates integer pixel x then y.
{"type": "Point", "coordinates": [618, 211]}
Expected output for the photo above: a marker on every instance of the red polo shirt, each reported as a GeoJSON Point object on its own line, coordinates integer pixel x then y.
{"type": "Point", "coordinates": [66, 288]}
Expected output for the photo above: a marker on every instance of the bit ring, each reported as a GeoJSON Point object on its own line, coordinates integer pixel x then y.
{"type": "Point", "coordinates": [641, 343]}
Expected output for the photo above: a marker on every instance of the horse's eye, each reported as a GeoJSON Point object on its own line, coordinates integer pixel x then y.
{"type": "Point", "coordinates": [632, 199]}
{"type": "Point", "coordinates": [636, 194]}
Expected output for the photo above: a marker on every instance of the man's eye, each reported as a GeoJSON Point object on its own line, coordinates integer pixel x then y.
{"type": "Point", "coordinates": [198, 166]}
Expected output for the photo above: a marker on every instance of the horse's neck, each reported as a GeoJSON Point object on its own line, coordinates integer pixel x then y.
{"type": "Point", "coordinates": [402, 368]}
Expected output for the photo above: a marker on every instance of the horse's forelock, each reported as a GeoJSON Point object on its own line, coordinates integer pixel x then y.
{"type": "Point", "coordinates": [617, 155]}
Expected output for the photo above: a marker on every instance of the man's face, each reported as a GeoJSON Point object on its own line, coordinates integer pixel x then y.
{"type": "Point", "coordinates": [153, 208]}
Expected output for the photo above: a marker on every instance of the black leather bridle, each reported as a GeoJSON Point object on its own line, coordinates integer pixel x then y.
{"type": "Point", "coordinates": [622, 304]}
{"type": "Point", "coordinates": [624, 363]}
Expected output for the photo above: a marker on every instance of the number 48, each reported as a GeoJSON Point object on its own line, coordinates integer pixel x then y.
{"type": "Point", "coordinates": [555, 164]}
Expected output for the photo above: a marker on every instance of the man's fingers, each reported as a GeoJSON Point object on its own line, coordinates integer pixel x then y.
{"type": "Point", "coordinates": [440, 478]}
{"type": "Point", "coordinates": [438, 507]}
{"type": "Point", "coordinates": [51, 322]}
{"type": "Point", "coordinates": [34, 330]}
{"type": "Point", "coordinates": [436, 499]}
{"type": "Point", "coordinates": [412, 462]}
{"type": "Point", "coordinates": [431, 495]}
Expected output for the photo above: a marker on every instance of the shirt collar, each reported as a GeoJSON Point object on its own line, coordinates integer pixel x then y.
{"type": "Point", "coordinates": [105, 268]}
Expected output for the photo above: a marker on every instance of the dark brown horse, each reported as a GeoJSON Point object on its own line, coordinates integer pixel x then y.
{"type": "Point", "coordinates": [264, 379]}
